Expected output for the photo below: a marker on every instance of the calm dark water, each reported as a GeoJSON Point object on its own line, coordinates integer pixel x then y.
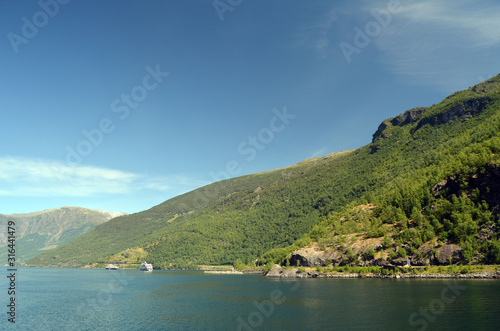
{"type": "Point", "coordinates": [76, 299]}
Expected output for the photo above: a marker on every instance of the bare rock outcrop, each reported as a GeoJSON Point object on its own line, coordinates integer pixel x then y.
{"type": "Point", "coordinates": [278, 272]}
{"type": "Point", "coordinates": [460, 112]}
{"type": "Point", "coordinates": [313, 256]}
{"type": "Point", "coordinates": [275, 271]}
{"type": "Point", "coordinates": [447, 253]}
{"type": "Point", "coordinates": [408, 117]}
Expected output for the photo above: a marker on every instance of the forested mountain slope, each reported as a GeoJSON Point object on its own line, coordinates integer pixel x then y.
{"type": "Point", "coordinates": [406, 171]}
{"type": "Point", "coordinates": [440, 203]}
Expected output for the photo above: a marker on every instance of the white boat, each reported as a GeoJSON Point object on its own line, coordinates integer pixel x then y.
{"type": "Point", "coordinates": [146, 267]}
{"type": "Point", "coordinates": [111, 267]}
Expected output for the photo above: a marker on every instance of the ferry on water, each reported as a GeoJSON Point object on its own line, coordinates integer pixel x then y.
{"type": "Point", "coordinates": [146, 267]}
{"type": "Point", "coordinates": [111, 267]}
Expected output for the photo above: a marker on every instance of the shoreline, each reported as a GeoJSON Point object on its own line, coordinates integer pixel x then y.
{"type": "Point", "coordinates": [278, 272]}
{"type": "Point", "coordinates": [293, 273]}
{"type": "Point", "coordinates": [477, 275]}
{"type": "Point", "coordinates": [484, 275]}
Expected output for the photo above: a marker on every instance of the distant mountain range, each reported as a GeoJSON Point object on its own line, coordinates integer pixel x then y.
{"type": "Point", "coordinates": [429, 178]}
{"type": "Point", "coordinates": [44, 230]}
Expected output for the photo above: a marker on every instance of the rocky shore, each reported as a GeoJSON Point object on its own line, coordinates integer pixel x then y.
{"type": "Point", "coordinates": [278, 272]}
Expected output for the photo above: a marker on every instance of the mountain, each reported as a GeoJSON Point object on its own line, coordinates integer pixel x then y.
{"type": "Point", "coordinates": [40, 231]}
{"type": "Point", "coordinates": [216, 224]}
{"type": "Point", "coordinates": [440, 204]}
{"type": "Point", "coordinates": [407, 170]}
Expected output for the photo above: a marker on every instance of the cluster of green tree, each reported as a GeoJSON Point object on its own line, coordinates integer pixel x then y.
{"type": "Point", "coordinates": [266, 216]}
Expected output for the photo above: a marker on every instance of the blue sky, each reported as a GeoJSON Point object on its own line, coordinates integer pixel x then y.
{"type": "Point", "coordinates": [121, 105]}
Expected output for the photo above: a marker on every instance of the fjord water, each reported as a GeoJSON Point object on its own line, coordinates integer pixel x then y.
{"type": "Point", "coordinates": [79, 299]}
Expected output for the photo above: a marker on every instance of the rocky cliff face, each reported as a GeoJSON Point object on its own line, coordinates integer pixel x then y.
{"type": "Point", "coordinates": [461, 112]}
{"type": "Point", "coordinates": [310, 257]}
{"type": "Point", "coordinates": [430, 254]}
{"type": "Point", "coordinates": [408, 117]}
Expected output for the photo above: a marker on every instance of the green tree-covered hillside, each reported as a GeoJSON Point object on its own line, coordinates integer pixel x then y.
{"type": "Point", "coordinates": [441, 191]}
{"type": "Point", "coordinates": [398, 173]}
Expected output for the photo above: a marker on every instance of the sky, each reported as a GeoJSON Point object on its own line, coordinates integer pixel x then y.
{"type": "Point", "coordinates": [120, 105]}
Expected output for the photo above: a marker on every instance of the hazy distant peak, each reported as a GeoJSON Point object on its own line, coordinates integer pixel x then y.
{"type": "Point", "coordinates": [111, 214]}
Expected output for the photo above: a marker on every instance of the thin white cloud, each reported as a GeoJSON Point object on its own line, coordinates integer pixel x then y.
{"type": "Point", "coordinates": [480, 21]}
{"type": "Point", "coordinates": [445, 44]}
{"type": "Point", "coordinates": [32, 170]}
{"type": "Point", "coordinates": [318, 153]}
{"type": "Point", "coordinates": [317, 35]}
{"type": "Point", "coordinates": [441, 43]}
{"type": "Point", "coordinates": [46, 178]}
